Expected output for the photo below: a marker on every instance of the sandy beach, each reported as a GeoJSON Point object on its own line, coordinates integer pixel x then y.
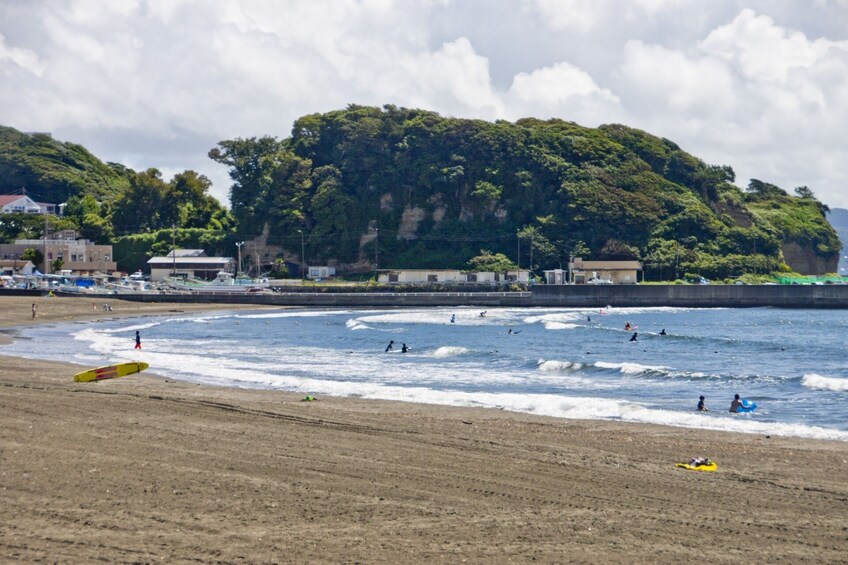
{"type": "Point", "coordinates": [146, 469]}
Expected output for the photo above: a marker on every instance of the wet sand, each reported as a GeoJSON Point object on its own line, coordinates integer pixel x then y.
{"type": "Point", "coordinates": [146, 469]}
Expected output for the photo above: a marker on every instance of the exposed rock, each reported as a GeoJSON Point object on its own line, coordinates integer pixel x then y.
{"type": "Point", "coordinates": [805, 261]}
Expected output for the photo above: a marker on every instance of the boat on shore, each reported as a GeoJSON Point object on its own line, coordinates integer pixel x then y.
{"type": "Point", "coordinates": [223, 282]}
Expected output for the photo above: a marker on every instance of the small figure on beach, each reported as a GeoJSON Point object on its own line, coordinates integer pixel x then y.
{"type": "Point", "coordinates": [389, 346]}
{"type": "Point", "coordinates": [404, 349]}
{"type": "Point", "coordinates": [34, 310]}
{"type": "Point", "coordinates": [137, 340]}
{"type": "Point", "coordinates": [699, 461]}
{"type": "Point", "coordinates": [701, 406]}
{"type": "Point", "coordinates": [634, 336]}
{"type": "Point", "coordinates": [662, 332]}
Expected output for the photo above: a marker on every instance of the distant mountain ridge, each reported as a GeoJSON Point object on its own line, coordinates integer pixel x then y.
{"type": "Point", "coordinates": [838, 218]}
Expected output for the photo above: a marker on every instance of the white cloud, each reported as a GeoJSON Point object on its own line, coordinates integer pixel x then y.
{"type": "Point", "coordinates": [22, 58]}
{"type": "Point", "coordinates": [758, 86]}
{"type": "Point", "coordinates": [761, 50]}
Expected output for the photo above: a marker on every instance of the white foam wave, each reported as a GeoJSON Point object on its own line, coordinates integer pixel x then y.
{"type": "Point", "coordinates": [819, 382]}
{"type": "Point", "coordinates": [558, 365]}
{"type": "Point", "coordinates": [356, 325]}
{"type": "Point", "coordinates": [632, 368]}
{"type": "Point", "coordinates": [448, 351]}
{"type": "Point", "coordinates": [559, 326]}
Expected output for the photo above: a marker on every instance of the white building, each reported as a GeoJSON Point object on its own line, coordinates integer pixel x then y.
{"type": "Point", "coordinates": [450, 276]}
{"type": "Point", "coordinates": [320, 272]}
{"type": "Point", "coordinates": [16, 267]}
{"type": "Point", "coordinates": [190, 263]}
{"type": "Point", "coordinates": [23, 204]}
{"type": "Point", "coordinates": [592, 272]}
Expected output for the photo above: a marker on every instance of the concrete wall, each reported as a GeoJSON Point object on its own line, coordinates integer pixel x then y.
{"type": "Point", "coordinates": [588, 296]}
{"type": "Point", "coordinates": [706, 296]}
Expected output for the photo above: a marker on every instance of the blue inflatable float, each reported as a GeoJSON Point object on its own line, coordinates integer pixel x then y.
{"type": "Point", "coordinates": [747, 406]}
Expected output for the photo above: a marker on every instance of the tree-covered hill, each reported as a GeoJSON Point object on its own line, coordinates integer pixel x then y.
{"type": "Point", "coordinates": [141, 213]}
{"type": "Point", "coordinates": [410, 188]}
{"type": "Point", "coordinates": [52, 171]}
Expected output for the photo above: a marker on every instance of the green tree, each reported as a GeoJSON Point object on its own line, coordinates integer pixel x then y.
{"type": "Point", "coordinates": [34, 255]}
{"type": "Point", "coordinates": [487, 261]}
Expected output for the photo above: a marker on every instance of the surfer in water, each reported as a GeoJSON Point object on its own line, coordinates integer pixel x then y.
{"type": "Point", "coordinates": [662, 332]}
{"type": "Point", "coordinates": [404, 349]}
{"type": "Point", "coordinates": [634, 336]}
{"type": "Point", "coordinates": [701, 406]}
{"type": "Point", "coordinates": [453, 318]}
{"type": "Point", "coordinates": [137, 340]}
{"type": "Point", "coordinates": [389, 346]}
{"type": "Point", "coordinates": [627, 326]}
{"type": "Point", "coordinates": [483, 314]}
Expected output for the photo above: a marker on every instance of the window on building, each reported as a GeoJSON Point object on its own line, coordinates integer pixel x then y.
{"type": "Point", "coordinates": [393, 278]}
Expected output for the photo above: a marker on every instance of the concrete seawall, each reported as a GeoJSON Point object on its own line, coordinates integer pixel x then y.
{"type": "Point", "coordinates": [590, 296]}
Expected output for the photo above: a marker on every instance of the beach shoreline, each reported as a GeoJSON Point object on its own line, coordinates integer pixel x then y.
{"type": "Point", "coordinates": [146, 468]}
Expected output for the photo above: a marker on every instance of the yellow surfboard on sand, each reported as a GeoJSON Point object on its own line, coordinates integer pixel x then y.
{"type": "Point", "coordinates": [110, 372]}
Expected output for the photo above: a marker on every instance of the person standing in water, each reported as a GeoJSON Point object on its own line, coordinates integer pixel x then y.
{"type": "Point", "coordinates": [389, 346]}
{"type": "Point", "coordinates": [404, 349]}
{"type": "Point", "coordinates": [701, 406]}
{"type": "Point", "coordinates": [137, 340]}
{"type": "Point", "coordinates": [736, 404]}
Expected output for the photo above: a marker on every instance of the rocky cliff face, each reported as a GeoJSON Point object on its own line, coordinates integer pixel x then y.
{"type": "Point", "coordinates": [805, 261]}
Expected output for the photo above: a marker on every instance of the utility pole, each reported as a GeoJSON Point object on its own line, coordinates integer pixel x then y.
{"type": "Point", "coordinates": [377, 249]}
{"type": "Point", "coordinates": [238, 266]}
{"type": "Point", "coordinates": [303, 271]}
{"type": "Point", "coordinates": [46, 230]}
{"type": "Point", "coordinates": [518, 240]}
{"type": "Point", "coordinates": [174, 249]}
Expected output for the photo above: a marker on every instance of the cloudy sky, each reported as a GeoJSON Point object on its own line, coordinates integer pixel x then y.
{"type": "Point", "coordinates": [761, 86]}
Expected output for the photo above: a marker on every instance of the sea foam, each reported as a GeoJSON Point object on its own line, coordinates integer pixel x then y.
{"type": "Point", "coordinates": [819, 382]}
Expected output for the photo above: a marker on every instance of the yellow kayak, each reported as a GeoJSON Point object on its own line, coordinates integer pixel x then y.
{"type": "Point", "coordinates": [709, 467]}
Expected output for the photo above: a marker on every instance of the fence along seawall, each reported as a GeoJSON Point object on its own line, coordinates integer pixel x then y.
{"type": "Point", "coordinates": [579, 296]}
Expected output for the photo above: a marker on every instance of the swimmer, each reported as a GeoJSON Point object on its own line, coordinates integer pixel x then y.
{"type": "Point", "coordinates": [634, 336]}
{"type": "Point", "coordinates": [404, 349]}
{"type": "Point", "coordinates": [701, 406]}
{"type": "Point", "coordinates": [736, 404]}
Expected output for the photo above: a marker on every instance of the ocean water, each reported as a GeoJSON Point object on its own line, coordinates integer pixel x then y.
{"type": "Point", "coordinates": [570, 363]}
